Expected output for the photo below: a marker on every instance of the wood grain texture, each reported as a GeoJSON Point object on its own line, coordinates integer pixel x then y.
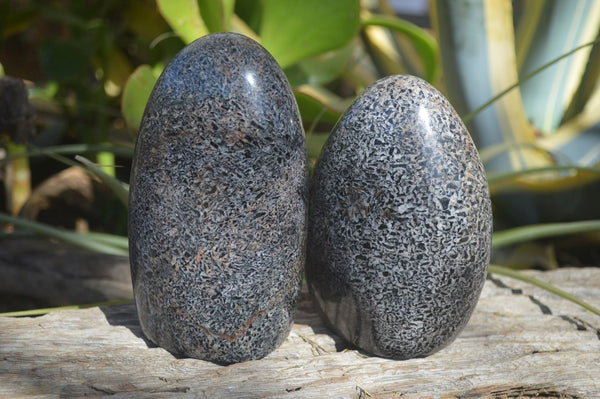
{"type": "Point", "coordinates": [521, 342]}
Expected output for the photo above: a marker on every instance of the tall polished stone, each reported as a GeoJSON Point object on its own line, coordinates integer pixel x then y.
{"type": "Point", "coordinates": [218, 203]}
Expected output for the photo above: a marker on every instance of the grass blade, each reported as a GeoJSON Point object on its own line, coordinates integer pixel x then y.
{"type": "Point", "coordinates": [79, 240]}
{"type": "Point", "coordinates": [545, 230]}
{"type": "Point", "coordinates": [525, 78]}
{"type": "Point", "coordinates": [119, 188]}
{"type": "Point", "coordinates": [505, 271]}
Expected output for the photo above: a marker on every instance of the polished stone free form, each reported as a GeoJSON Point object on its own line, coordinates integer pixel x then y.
{"type": "Point", "coordinates": [218, 203]}
{"type": "Point", "coordinates": [400, 222]}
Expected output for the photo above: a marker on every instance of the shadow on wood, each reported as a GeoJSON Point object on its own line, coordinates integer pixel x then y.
{"type": "Point", "coordinates": [521, 342]}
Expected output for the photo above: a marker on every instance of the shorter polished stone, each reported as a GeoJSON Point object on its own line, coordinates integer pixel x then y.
{"type": "Point", "coordinates": [217, 215]}
{"type": "Point", "coordinates": [400, 222]}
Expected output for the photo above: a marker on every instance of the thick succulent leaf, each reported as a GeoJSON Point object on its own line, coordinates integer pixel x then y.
{"type": "Point", "coordinates": [324, 68]}
{"type": "Point", "coordinates": [478, 57]}
{"type": "Point", "coordinates": [588, 86]}
{"type": "Point", "coordinates": [382, 48]}
{"type": "Point", "coordinates": [292, 30]}
{"type": "Point", "coordinates": [217, 14]}
{"type": "Point", "coordinates": [136, 93]}
{"type": "Point", "coordinates": [579, 138]}
{"type": "Point", "coordinates": [561, 27]}
{"type": "Point", "coordinates": [250, 12]}
{"type": "Point", "coordinates": [183, 16]}
{"type": "Point", "coordinates": [424, 43]}
{"type": "Point", "coordinates": [527, 16]}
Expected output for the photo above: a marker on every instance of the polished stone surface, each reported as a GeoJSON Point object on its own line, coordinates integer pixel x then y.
{"type": "Point", "coordinates": [218, 203]}
{"type": "Point", "coordinates": [400, 222]}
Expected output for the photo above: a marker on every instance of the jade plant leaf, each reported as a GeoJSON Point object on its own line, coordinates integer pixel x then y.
{"type": "Point", "coordinates": [292, 30]}
{"type": "Point", "coordinates": [183, 16]}
{"type": "Point", "coordinates": [325, 67]}
{"type": "Point", "coordinates": [217, 14]}
{"type": "Point", "coordinates": [136, 93]}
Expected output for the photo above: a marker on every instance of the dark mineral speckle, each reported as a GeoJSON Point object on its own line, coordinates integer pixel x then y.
{"type": "Point", "coordinates": [399, 223]}
{"type": "Point", "coordinates": [218, 203]}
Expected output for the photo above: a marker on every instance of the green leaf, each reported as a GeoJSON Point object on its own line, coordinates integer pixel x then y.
{"type": "Point", "coordinates": [79, 240]}
{"type": "Point", "coordinates": [292, 30]}
{"type": "Point", "coordinates": [527, 16]}
{"type": "Point", "coordinates": [325, 67]}
{"type": "Point", "coordinates": [183, 16]}
{"type": "Point", "coordinates": [588, 87]}
{"type": "Point", "coordinates": [424, 43]}
{"type": "Point", "coordinates": [549, 178]}
{"type": "Point", "coordinates": [563, 26]}
{"type": "Point", "coordinates": [504, 271]}
{"type": "Point", "coordinates": [32, 151]}
{"type": "Point", "coordinates": [110, 239]}
{"type": "Point", "coordinates": [250, 12]}
{"type": "Point", "coordinates": [526, 233]}
{"type": "Point", "coordinates": [217, 14]}
{"type": "Point", "coordinates": [491, 152]}
{"type": "Point", "coordinates": [478, 55]}
{"type": "Point", "coordinates": [136, 93]}
{"type": "Point", "coordinates": [319, 104]}
{"type": "Point", "coordinates": [524, 79]}
{"type": "Point", "coordinates": [579, 138]}
{"type": "Point", "coordinates": [314, 109]}
{"type": "Point", "coordinates": [120, 189]}
{"type": "Point", "coordinates": [106, 160]}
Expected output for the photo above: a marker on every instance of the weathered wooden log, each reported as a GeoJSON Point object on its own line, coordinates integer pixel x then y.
{"type": "Point", "coordinates": [39, 272]}
{"type": "Point", "coordinates": [521, 342]}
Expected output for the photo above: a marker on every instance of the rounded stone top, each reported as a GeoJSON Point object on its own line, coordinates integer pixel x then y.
{"type": "Point", "coordinates": [400, 221]}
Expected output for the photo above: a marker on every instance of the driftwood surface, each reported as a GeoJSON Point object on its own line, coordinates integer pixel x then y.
{"type": "Point", "coordinates": [521, 342]}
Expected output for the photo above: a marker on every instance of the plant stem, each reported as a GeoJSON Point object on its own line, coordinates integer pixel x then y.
{"type": "Point", "coordinates": [505, 271]}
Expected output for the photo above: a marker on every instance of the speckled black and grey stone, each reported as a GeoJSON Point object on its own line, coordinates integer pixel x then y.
{"type": "Point", "coordinates": [399, 222]}
{"type": "Point", "coordinates": [218, 198]}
